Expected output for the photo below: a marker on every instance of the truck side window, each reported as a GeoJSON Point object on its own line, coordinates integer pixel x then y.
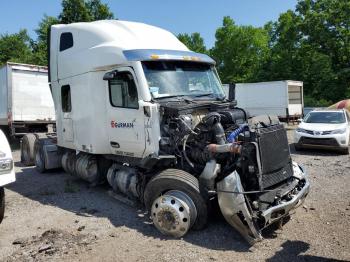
{"type": "Point", "coordinates": [66, 41]}
{"type": "Point", "coordinates": [66, 99]}
{"type": "Point", "coordinates": [123, 91]}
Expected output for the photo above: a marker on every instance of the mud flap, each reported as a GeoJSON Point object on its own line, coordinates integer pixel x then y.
{"type": "Point", "coordinates": [234, 208]}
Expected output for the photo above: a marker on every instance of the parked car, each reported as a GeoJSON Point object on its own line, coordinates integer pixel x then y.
{"type": "Point", "coordinates": [7, 172]}
{"type": "Point", "coordinates": [328, 128]}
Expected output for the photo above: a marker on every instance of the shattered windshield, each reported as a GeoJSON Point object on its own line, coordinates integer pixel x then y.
{"type": "Point", "coordinates": [182, 78]}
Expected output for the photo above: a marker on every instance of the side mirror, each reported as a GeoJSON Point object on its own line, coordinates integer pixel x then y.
{"type": "Point", "coordinates": [231, 92]}
{"type": "Point", "coordinates": [110, 75]}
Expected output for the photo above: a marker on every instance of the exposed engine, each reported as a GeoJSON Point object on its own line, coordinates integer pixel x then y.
{"type": "Point", "coordinates": [205, 138]}
{"type": "Point", "coordinates": [189, 135]}
{"type": "Point", "coordinates": [198, 135]}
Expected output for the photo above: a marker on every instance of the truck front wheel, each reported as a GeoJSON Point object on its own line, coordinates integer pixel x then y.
{"type": "Point", "coordinates": [2, 203]}
{"type": "Point", "coordinates": [174, 201]}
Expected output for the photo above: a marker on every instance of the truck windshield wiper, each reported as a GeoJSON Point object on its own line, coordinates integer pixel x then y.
{"type": "Point", "coordinates": [172, 96]}
{"type": "Point", "coordinates": [205, 94]}
{"type": "Point", "coordinates": [210, 95]}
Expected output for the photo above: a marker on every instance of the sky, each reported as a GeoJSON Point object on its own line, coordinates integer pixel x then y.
{"type": "Point", "coordinates": [180, 16]}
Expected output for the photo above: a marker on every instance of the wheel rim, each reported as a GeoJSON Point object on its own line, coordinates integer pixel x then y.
{"type": "Point", "coordinates": [174, 213]}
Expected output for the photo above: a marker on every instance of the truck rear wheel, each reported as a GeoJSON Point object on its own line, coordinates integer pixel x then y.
{"type": "Point", "coordinates": [39, 156]}
{"type": "Point", "coordinates": [27, 149]}
{"type": "Point", "coordinates": [175, 203]}
{"type": "Point", "coordinates": [2, 204]}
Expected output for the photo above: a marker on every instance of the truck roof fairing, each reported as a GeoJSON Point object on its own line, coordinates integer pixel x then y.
{"type": "Point", "coordinates": [157, 54]}
{"type": "Point", "coordinates": [101, 44]}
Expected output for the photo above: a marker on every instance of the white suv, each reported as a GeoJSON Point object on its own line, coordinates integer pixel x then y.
{"type": "Point", "coordinates": [7, 172]}
{"type": "Point", "coordinates": [324, 128]}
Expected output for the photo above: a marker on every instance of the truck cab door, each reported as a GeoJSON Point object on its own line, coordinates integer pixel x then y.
{"type": "Point", "coordinates": [67, 121]}
{"type": "Point", "coordinates": [126, 128]}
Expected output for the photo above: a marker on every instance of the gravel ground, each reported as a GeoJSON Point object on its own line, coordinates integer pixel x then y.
{"type": "Point", "coordinates": [56, 217]}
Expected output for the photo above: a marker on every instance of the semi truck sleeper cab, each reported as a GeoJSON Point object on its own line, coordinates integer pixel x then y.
{"type": "Point", "coordinates": [136, 108]}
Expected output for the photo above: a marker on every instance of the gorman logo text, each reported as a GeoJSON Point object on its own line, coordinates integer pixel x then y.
{"type": "Point", "coordinates": [115, 124]}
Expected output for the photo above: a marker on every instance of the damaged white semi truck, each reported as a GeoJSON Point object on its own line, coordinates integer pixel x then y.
{"type": "Point", "coordinates": [136, 108]}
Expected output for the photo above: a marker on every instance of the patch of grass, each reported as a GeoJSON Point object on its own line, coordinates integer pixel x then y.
{"type": "Point", "coordinates": [70, 187]}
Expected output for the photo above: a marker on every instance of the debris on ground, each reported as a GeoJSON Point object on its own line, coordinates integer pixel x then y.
{"type": "Point", "coordinates": [52, 242]}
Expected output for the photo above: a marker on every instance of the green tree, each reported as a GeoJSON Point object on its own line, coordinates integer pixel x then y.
{"type": "Point", "coordinates": [284, 38]}
{"type": "Point", "coordinates": [40, 45]}
{"type": "Point", "coordinates": [84, 11]}
{"type": "Point", "coordinates": [326, 30]}
{"type": "Point", "coordinates": [15, 48]}
{"type": "Point", "coordinates": [312, 44]}
{"type": "Point", "coordinates": [99, 11]}
{"type": "Point", "coordinates": [193, 42]}
{"type": "Point", "coordinates": [239, 51]}
{"type": "Point", "coordinates": [44, 25]}
{"type": "Point", "coordinates": [74, 11]}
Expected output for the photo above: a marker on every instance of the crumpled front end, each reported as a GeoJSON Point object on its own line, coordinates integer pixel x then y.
{"type": "Point", "coordinates": [250, 218]}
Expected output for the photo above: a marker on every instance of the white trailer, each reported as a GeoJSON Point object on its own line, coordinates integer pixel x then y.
{"type": "Point", "coordinates": [281, 98]}
{"type": "Point", "coordinates": [26, 103]}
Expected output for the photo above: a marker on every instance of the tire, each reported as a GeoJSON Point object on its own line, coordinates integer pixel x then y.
{"type": "Point", "coordinates": [39, 157]}
{"type": "Point", "coordinates": [297, 147]}
{"type": "Point", "coordinates": [175, 179]}
{"type": "Point", "coordinates": [344, 151]}
{"type": "Point", "coordinates": [27, 149]}
{"type": "Point", "coordinates": [2, 204]}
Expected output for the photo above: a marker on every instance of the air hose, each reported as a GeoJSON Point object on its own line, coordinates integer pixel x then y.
{"type": "Point", "coordinates": [232, 137]}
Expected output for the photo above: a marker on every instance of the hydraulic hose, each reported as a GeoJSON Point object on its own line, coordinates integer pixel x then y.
{"type": "Point", "coordinates": [232, 137]}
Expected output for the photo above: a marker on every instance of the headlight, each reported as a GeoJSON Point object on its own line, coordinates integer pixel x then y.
{"type": "Point", "coordinates": [339, 131]}
{"type": "Point", "coordinates": [300, 130]}
{"type": "Point", "coordinates": [297, 172]}
{"type": "Point", "coordinates": [6, 165]}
